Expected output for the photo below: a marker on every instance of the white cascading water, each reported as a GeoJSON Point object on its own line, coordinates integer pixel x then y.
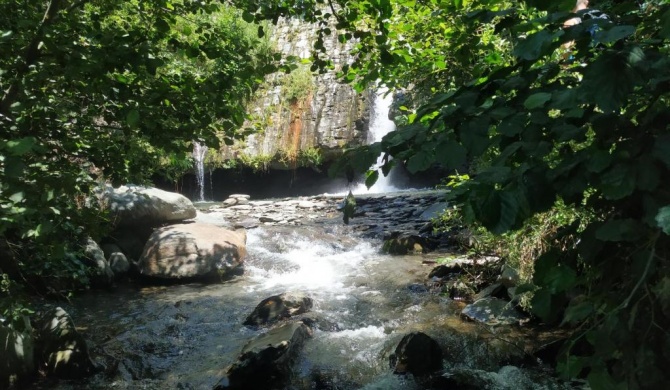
{"type": "Point", "coordinates": [199, 152]}
{"type": "Point", "coordinates": [380, 125]}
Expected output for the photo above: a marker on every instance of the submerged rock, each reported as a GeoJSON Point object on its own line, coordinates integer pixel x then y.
{"type": "Point", "coordinates": [417, 354]}
{"type": "Point", "coordinates": [61, 349]}
{"type": "Point", "coordinates": [279, 307]}
{"type": "Point", "coordinates": [192, 250]}
{"type": "Point", "coordinates": [265, 362]}
{"type": "Point", "coordinates": [493, 311]}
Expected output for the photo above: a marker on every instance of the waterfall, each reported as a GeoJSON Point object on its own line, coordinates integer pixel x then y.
{"type": "Point", "coordinates": [380, 125]}
{"type": "Point", "coordinates": [199, 152]}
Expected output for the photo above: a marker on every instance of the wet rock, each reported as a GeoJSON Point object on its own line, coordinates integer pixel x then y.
{"type": "Point", "coordinates": [417, 288]}
{"type": "Point", "coordinates": [131, 205]}
{"type": "Point", "coordinates": [444, 271]}
{"type": "Point", "coordinates": [61, 349]}
{"type": "Point", "coordinates": [279, 307]}
{"type": "Point", "coordinates": [192, 250]}
{"type": "Point", "coordinates": [247, 223]}
{"type": "Point", "coordinates": [117, 260]}
{"type": "Point", "coordinates": [267, 219]}
{"type": "Point", "coordinates": [459, 291]}
{"type": "Point", "coordinates": [507, 378]}
{"type": "Point", "coordinates": [493, 311]}
{"type": "Point", "coordinates": [103, 276]}
{"type": "Point", "coordinates": [407, 243]}
{"type": "Point", "coordinates": [16, 353]}
{"type": "Point", "coordinates": [229, 202]}
{"type": "Point", "coordinates": [496, 290]}
{"type": "Point", "coordinates": [433, 211]}
{"type": "Point", "coordinates": [265, 362]}
{"type": "Point", "coordinates": [119, 264]}
{"type": "Point", "coordinates": [418, 354]}
{"type": "Point", "coordinates": [509, 276]}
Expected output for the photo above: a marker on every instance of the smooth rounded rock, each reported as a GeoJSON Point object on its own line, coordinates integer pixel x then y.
{"type": "Point", "coordinates": [192, 250]}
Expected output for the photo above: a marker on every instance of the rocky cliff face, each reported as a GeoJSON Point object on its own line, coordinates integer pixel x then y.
{"type": "Point", "coordinates": [304, 119]}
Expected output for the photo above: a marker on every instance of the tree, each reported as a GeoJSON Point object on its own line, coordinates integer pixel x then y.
{"type": "Point", "coordinates": [587, 127]}
{"type": "Point", "coordinates": [100, 91]}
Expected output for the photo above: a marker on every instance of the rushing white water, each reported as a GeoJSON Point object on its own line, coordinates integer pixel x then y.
{"type": "Point", "coordinates": [183, 336]}
{"type": "Point", "coordinates": [199, 152]}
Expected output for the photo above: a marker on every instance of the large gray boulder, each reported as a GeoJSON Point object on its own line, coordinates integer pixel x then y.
{"type": "Point", "coordinates": [192, 250]}
{"type": "Point", "coordinates": [265, 362]}
{"type": "Point", "coordinates": [16, 353]}
{"type": "Point", "coordinates": [61, 349]}
{"type": "Point", "coordinates": [131, 205]}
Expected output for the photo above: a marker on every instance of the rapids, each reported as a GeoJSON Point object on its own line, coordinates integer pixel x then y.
{"type": "Point", "coordinates": [182, 336]}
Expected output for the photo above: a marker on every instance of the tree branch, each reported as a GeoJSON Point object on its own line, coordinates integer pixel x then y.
{"type": "Point", "coordinates": [30, 56]}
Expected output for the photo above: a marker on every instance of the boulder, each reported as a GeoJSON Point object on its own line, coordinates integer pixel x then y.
{"type": "Point", "coordinates": [61, 349]}
{"type": "Point", "coordinates": [103, 276]}
{"type": "Point", "coordinates": [117, 260]}
{"type": "Point", "coordinates": [279, 307]}
{"type": "Point", "coordinates": [265, 362]}
{"type": "Point", "coordinates": [192, 250]}
{"type": "Point", "coordinates": [417, 354]}
{"type": "Point", "coordinates": [493, 311]}
{"type": "Point", "coordinates": [132, 205]}
{"type": "Point", "coordinates": [16, 353]}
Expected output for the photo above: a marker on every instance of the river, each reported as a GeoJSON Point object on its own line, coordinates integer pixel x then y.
{"type": "Point", "coordinates": [182, 336]}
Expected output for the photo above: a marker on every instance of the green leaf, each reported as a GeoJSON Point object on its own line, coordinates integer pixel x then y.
{"type": "Point", "coordinates": [614, 34]}
{"type": "Point", "coordinates": [599, 160]}
{"type": "Point", "coordinates": [578, 312]}
{"type": "Point", "coordinates": [420, 161]}
{"type": "Point", "coordinates": [570, 367]}
{"type": "Point", "coordinates": [663, 219]}
{"type": "Point", "coordinates": [513, 126]}
{"type": "Point", "coordinates": [162, 26]}
{"type": "Point", "coordinates": [450, 154]}
{"type": "Point", "coordinates": [537, 100]}
{"type": "Point", "coordinates": [17, 197]}
{"type": "Point", "coordinates": [247, 17]}
{"type": "Point", "coordinates": [534, 46]}
{"type": "Point", "coordinates": [665, 25]}
{"type": "Point", "coordinates": [371, 178]}
{"type": "Point", "coordinates": [661, 150]}
{"type": "Point", "coordinates": [133, 118]}
{"type": "Point", "coordinates": [619, 230]}
{"type": "Point", "coordinates": [20, 146]}
{"type": "Point", "coordinates": [618, 182]}
{"type": "Point", "coordinates": [609, 81]}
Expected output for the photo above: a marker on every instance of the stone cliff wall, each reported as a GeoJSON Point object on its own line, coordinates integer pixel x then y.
{"type": "Point", "coordinates": [303, 119]}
